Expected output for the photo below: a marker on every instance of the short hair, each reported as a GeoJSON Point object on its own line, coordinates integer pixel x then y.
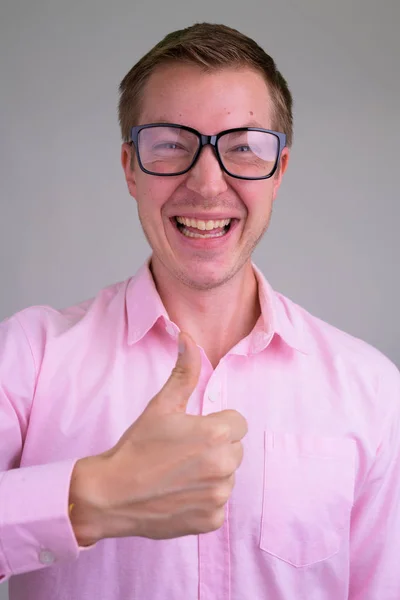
{"type": "Point", "coordinates": [212, 47]}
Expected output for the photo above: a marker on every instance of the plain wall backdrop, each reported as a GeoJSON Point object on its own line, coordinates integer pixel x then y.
{"type": "Point", "coordinates": [67, 224]}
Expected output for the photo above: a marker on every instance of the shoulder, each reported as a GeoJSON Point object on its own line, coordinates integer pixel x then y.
{"type": "Point", "coordinates": [35, 326]}
{"type": "Point", "coordinates": [338, 350]}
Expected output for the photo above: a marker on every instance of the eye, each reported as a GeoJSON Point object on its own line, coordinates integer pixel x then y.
{"type": "Point", "coordinates": [172, 146]}
{"type": "Point", "coordinates": [168, 148]}
{"type": "Point", "coordinates": [245, 149]}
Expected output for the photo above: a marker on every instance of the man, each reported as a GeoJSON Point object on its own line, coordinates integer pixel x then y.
{"type": "Point", "coordinates": [266, 462]}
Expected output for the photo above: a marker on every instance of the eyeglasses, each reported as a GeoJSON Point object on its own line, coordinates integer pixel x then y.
{"type": "Point", "coordinates": [245, 152]}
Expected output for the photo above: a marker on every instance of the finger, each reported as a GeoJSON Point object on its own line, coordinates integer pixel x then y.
{"type": "Point", "coordinates": [230, 425]}
{"type": "Point", "coordinates": [174, 396]}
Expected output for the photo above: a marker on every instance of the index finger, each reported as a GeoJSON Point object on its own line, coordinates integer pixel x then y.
{"type": "Point", "coordinates": [235, 423]}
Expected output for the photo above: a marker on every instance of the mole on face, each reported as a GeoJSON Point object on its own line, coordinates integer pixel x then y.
{"type": "Point", "coordinates": [251, 113]}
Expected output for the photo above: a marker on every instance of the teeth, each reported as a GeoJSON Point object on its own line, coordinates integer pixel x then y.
{"type": "Point", "coordinates": [203, 225]}
{"type": "Point", "coordinates": [202, 235]}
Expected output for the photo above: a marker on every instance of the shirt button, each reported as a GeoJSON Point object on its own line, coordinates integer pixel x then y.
{"type": "Point", "coordinates": [46, 557]}
{"type": "Point", "coordinates": [213, 394]}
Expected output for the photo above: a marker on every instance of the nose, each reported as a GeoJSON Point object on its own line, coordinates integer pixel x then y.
{"type": "Point", "coordinates": [206, 176]}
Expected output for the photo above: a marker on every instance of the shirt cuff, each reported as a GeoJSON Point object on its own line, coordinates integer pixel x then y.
{"type": "Point", "coordinates": [35, 530]}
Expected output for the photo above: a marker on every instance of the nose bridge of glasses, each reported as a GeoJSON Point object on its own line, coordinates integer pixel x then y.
{"type": "Point", "coordinates": [208, 140]}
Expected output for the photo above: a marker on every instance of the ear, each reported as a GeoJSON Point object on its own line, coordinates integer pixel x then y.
{"type": "Point", "coordinates": [280, 171]}
{"type": "Point", "coordinates": [127, 162]}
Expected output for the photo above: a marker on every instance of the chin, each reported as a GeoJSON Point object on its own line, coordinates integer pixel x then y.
{"type": "Point", "coordinates": [205, 279]}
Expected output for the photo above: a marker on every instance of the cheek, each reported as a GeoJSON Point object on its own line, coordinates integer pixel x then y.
{"type": "Point", "coordinates": [152, 195]}
{"type": "Point", "coordinates": [257, 197]}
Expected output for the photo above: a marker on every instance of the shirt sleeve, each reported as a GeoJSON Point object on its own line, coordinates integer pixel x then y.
{"type": "Point", "coordinates": [35, 530]}
{"type": "Point", "coordinates": [375, 529]}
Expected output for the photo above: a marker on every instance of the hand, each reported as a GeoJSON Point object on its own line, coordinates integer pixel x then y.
{"type": "Point", "coordinates": [169, 475]}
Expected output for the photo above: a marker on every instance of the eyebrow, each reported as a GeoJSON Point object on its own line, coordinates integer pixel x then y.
{"type": "Point", "coordinates": [252, 123]}
{"type": "Point", "coordinates": [164, 120]}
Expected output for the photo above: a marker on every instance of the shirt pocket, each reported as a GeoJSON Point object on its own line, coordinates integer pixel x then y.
{"type": "Point", "coordinates": [307, 497]}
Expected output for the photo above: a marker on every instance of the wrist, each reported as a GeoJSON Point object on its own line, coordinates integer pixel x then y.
{"type": "Point", "coordinates": [85, 504]}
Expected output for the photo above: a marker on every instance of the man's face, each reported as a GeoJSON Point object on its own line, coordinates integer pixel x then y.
{"type": "Point", "coordinates": [210, 103]}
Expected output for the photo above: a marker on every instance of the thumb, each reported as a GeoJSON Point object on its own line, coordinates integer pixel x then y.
{"type": "Point", "coordinates": [174, 396]}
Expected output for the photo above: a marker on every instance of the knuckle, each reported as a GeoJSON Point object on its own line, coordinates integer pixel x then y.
{"type": "Point", "coordinates": [183, 375]}
{"type": "Point", "coordinates": [220, 495]}
{"type": "Point", "coordinates": [219, 432]}
{"type": "Point", "coordinates": [178, 372]}
{"type": "Point", "coordinates": [217, 519]}
{"type": "Point", "coordinates": [237, 420]}
{"type": "Point", "coordinates": [239, 452]}
{"type": "Point", "coordinates": [218, 467]}
{"type": "Point", "coordinates": [224, 463]}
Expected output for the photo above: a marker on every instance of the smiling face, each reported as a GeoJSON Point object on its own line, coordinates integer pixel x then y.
{"type": "Point", "coordinates": [209, 102]}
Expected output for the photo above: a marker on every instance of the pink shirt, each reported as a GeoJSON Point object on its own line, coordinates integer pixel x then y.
{"type": "Point", "coordinates": [315, 512]}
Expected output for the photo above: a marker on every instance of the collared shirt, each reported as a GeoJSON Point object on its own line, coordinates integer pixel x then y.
{"type": "Point", "coordinates": [315, 511]}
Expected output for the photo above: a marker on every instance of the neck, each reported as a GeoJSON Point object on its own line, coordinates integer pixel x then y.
{"type": "Point", "coordinates": [217, 319]}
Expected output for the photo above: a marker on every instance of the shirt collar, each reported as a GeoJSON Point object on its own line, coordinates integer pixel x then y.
{"type": "Point", "coordinates": [278, 317]}
{"type": "Point", "coordinates": [144, 308]}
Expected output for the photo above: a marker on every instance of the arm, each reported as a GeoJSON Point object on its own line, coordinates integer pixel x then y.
{"type": "Point", "coordinates": [139, 487]}
{"type": "Point", "coordinates": [375, 529]}
{"type": "Point", "coordinates": [34, 526]}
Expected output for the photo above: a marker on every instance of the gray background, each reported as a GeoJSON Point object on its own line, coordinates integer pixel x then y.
{"type": "Point", "coordinates": [67, 224]}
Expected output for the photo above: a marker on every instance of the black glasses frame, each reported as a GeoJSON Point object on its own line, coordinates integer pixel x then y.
{"type": "Point", "coordinates": [206, 140]}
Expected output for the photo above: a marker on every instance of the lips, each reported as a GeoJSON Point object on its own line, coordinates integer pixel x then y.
{"type": "Point", "coordinates": [202, 228]}
{"type": "Point", "coordinates": [204, 239]}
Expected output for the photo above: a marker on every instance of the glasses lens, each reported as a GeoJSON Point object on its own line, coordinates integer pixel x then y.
{"type": "Point", "coordinates": [249, 153]}
{"type": "Point", "coordinates": [167, 150]}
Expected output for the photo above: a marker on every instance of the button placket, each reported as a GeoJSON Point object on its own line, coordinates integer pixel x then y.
{"type": "Point", "coordinates": [213, 391]}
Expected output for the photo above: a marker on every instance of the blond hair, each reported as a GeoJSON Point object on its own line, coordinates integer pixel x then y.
{"type": "Point", "coordinates": [212, 47]}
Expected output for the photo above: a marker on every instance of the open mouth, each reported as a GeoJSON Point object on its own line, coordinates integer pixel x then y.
{"type": "Point", "coordinates": [195, 228]}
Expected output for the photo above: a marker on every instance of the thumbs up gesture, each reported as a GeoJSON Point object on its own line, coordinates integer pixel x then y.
{"type": "Point", "coordinates": [169, 475]}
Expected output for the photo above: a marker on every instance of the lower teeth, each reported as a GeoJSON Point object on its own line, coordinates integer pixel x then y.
{"type": "Point", "coordinates": [201, 235]}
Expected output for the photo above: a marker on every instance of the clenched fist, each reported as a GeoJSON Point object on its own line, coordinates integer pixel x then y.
{"type": "Point", "coordinates": [169, 475]}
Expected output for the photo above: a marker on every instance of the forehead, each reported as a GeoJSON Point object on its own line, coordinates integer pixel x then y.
{"type": "Point", "coordinates": [209, 101]}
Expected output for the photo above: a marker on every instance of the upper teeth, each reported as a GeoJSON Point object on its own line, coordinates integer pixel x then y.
{"type": "Point", "coordinates": [203, 225]}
